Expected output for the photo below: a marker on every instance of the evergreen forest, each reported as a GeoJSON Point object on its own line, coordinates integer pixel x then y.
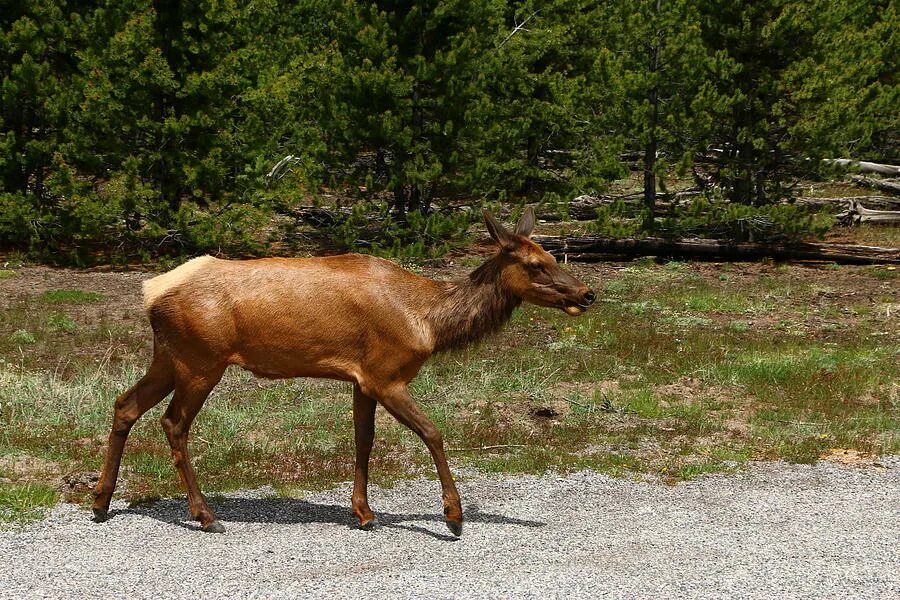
{"type": "Point", "coordinates": [132, 129]}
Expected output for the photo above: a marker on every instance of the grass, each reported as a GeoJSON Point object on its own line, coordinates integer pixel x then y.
{"type": "Point", "coordinates": [58, 321]}
{"type": "Point", "coordinates": [868, 234]}
{"type": "Point", "coordinates": [888, 272]}
{"type": "Point", "coordinates": [678, 371]}
{"type": "Point", "coordinates": [70, 297]}
{"type": "Point", "coordinates": [26, 502]}
{"type": "Point", "coordinates": [35, 335]}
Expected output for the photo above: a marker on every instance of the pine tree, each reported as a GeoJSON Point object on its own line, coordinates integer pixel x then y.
{"type": "Point", "coordinates": [542, 120]}
{"type": "Point", "coordinates": [849, 82]}
{"type": "Point", "coordinates": [754, 126]}
{"type": "Point", "coordinates": [160, 84]}
{"type": "Point", "coordinates": [394, 102]}
{"type": "Point", "coordinates": [657, 64]}
{"type": "Point", "coordinates": [38, 41]}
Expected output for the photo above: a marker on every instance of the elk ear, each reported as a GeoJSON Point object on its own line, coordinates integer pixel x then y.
{"type": "Point", "coordinates": [503, 237]}
{"type": "Point", "coordinates": [526, 223]}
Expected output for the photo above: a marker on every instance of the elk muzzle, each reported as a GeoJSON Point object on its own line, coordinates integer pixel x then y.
{"type": "Point", "coordinates": [577, 307]}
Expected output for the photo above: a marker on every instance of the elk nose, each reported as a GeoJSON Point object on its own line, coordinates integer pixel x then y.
{"type": "Point", "coordinates": [589, 297]}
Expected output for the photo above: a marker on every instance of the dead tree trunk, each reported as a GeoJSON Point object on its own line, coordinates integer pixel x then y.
{"type": "Point", "coordinates": [878, 202]}
{"type": "Point", "coordinates": [888, 187]}
{"type": "Point", "coordinates": [857, 213]}
{"type": "Point", "coordinates": [595, 248]}
{"type": "Point", "coordinates": [864, 166]}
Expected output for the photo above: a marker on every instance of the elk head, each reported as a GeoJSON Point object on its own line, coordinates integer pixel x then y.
{"type": "Point", "coordinates": [531, 273]}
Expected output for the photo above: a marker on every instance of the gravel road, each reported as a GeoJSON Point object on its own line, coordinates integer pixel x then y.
{"type": "Point", "coordinates": [775, 530]}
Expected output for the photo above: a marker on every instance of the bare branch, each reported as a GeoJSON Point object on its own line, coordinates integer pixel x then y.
{"type": "Point", "coordinates": [519, 27]}
{"type": "Point", "coordinates": [279, 171]}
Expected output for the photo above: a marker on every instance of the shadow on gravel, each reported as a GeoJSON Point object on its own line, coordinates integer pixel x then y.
{"type": "Point", "coordinates": [294, 511]}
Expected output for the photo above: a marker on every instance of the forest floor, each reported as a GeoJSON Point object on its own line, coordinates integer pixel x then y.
{"type": "Point", "coordinates": [680, 369]}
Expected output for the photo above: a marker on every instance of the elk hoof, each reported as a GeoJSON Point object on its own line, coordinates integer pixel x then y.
{"type": "Point", "coordinates": [369, 525]}
{"type": "Point", "coordinates": [214, 527]}
{"type": "Point", "coordinates": [455, 527]}
{"type": "Point", "coordinates": [100, 514]}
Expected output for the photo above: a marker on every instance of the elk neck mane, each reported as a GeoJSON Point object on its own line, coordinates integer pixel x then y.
{"type": "Point", "coordinates": [470, 309]}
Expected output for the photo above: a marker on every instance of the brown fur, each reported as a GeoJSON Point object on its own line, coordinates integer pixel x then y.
{"type": "Point", "coordinates": [351, 317]}
{"type": "Point", "coordinates": [469, 310]}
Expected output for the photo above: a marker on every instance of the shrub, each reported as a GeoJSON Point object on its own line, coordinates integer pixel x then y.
{"type": "Point", "coordinates": [17, 216]}
{"type": "Point", "coordinates": [236, 228]}
{"type": "Point", "coordinates": [61, 322]}
{"type": "Point", "coordinates": [718, 219]}
{"type": "Point", "coordinates": [370, 228]}
{"type": "Point", "coordinates": [22, 337]}
{"type": "Point", "coordinates": [618, 220]}
{"type": "Point", "coordinates": [743, 223]}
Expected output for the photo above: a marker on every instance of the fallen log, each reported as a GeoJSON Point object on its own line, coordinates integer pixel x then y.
{"type": "Point", "coordinates": [889, 187]}
{"type": "Point", "coordinates": [596, 248]}
{"type": "Point", "coordinates": [864, 166]}
{"type": "Point", "coordinates": [856, 213]}
{"type": "Point", "coordinates": [878, 202]}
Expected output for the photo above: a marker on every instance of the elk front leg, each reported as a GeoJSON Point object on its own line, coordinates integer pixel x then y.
{"type": "Point", "coordinates": [400, 403]}
{"type": "Point", "coordinates": [364, 434]}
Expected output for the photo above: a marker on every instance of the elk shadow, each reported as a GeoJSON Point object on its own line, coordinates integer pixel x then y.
{"type": "Point", "coordinates": [290, 511]}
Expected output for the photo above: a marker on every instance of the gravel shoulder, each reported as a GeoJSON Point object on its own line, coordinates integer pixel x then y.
{"type": "Point", "coordinates": [775, 530]}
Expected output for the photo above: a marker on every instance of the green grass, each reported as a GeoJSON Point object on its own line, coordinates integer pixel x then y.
{"type": "Point", "coordinates": [22, 337]}
{"type": "Point", "coordinates": [709, 300]}
{"type": "Point", "coordinates": [25, 502]}
{"type": "Point", "coordinates": [813, 377]}
{"type": "Point", "coordinates": [739, 326]}
{"type": "Point", "coordinates": [60, 322]}
{"type": "Point", "coordinates": [7, 274]}
{"type": "Point", "coordinates": [884, 272]}
{"type": "Point", "coordinates": [57, 339]}
{"type": "Point", "coordinates": [70, 297]}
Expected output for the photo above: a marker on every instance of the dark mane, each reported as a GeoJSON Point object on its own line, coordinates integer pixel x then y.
{"type": "Point", "coordinates": [471, 309]}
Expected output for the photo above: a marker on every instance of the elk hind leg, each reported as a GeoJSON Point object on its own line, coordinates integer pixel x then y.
{"type": "Point", "coordinates": [191, 390]}
{"type": "Point", "coordinates": [155, 385]}
{"type": "Point", "coordinates": [364, 435]}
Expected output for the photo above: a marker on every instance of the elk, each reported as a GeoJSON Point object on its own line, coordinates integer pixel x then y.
{"type": "Point", "coordinates": [350, 317]}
